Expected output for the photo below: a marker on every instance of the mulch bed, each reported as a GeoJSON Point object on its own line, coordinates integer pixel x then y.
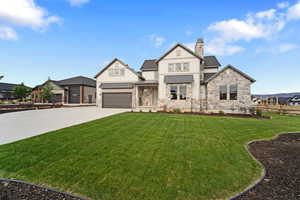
{"type": "Point", "coordinates": [18, 190]}
{"type": "Point", "coordinates": [221, 115]}
{"type": "Point", "coordinates": [281, 159]}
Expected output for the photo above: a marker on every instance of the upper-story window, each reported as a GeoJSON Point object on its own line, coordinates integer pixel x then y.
{"type": "Point", "coordinates": [116, 72]}
{"type": "Point", "coordinates": [179, 67]}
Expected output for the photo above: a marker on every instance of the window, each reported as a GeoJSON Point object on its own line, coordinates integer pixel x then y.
{"type": "Point", "coordinates": [233, 92]}
{"type": "Point", "coordinates": [186, 67]}
{"type": "Point", "coordinates": [173, 92]}
{"type": "Point", "coordinates": [171, 67]}
{"type": "Point", "coordinates": [223, 92]}
{"type": "Point", "coordinates": [178, 67]}
{"type": "Point", "coordinates": [116, 72]}
{"type": "Point", "coordinates": [182, 92]}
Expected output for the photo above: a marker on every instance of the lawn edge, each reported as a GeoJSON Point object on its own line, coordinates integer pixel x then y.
{"type": "Point", "coordinates": [263, 171]}
{"type": "Point", "coordinates": [42, 187]}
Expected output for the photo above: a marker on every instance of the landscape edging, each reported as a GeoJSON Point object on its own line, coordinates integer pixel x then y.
{"type": "Point", "coordinates": [42, 187]}
{"type": "Point", "coordinates": [264, 171]}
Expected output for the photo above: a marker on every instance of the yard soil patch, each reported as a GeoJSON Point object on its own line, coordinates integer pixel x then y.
{"type": "Point", "coordinates": [281, 159]}
{"type": "Point", "coordinates": [15, 190]}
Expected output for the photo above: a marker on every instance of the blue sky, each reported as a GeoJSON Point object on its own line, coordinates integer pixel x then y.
{"type": "Point", "coordinates": [65, 38]}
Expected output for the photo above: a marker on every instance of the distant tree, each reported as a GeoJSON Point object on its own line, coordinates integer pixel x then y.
{"type": "Point", "coordinates": [47, 93]}
{"type": "Point", "coordinates": [21, 91]}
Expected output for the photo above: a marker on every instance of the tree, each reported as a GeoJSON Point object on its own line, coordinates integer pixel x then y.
{"type": "Point", "coordinates": [21, 91]}
{"type": "Point", "coordinates": [1, 77]}
{"type": "Point", "coordinates": [47, 93]}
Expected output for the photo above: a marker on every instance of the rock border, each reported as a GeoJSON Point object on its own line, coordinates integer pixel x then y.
{"type": "Point", "coordinates": [63, 195]}
{"type": "Point", "coordinates": [264, 171]}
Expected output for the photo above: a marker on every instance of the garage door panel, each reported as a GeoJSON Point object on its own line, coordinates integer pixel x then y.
{"type": "Point", "coordinates": [74, 94]}
{"type": "Point", "coordinates": [117, 100]}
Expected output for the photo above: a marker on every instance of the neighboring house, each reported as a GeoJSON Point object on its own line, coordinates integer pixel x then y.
{"type": "Point", "coordinates": [294, 101]}
{"type": "Point", "coordinates": [76, 90]}
{"type": "Point", "coordinates": [6, 91]}
{"type": "Point", "coordinates": [180, 79]}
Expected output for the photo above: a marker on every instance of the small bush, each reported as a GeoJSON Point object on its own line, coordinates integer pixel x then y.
{"type": "Point", "coordinates": [150, 111]}
{"type": "Point", "coordinates": [221, 112]}
{"type": "Point", "coordinates": [141, 111]}
{"type": "Point", "coordinates": [176, 110]}
{"type": "Point", "coordinates": [259, 112]}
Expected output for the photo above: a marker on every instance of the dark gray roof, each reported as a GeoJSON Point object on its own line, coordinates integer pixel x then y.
{"type": "Point", "coordinates": [149, 65]}
{"type": "Point", "coordinates": [116, 85]}
{"type": "Point", "coordinates": [147, 82]}
{"type": "Point", "coordinates": [79, 80]}
{"type": "Point", "coordinates": [295, 98]}
{"type": "Point", "coordinates": [207, 76]}
{"type": "Point", "coordinates": [7, 87]}
{"type": "Point", "coordinates": [114, 60]}
{"type": "Point", "coordinates": [211, 61]}
{"type": "Point", "coordinates": [179, 79]}
{"type": "Point", "coordinates": [234, 69]}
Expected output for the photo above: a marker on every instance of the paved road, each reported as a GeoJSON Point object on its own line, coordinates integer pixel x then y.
{"type": "Point", "coordinates": [20, 125]}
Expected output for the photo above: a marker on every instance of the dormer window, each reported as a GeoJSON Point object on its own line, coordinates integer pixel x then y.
{"type": "Point", "coordinates": [116, 72]}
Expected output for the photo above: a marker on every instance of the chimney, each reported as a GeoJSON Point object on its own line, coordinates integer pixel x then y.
{"type": "Point", "coordinates": [199, 47]}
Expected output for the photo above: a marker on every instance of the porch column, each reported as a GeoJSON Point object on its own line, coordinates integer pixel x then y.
{"type": "Point", "coordinates": [81, 94]}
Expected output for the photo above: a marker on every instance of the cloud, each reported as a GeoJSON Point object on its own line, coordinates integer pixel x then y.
{"type": "Point", "coordinates": [189, 32]}
{"type": "Point", "coordinates": [7, 33]}
{"type": "Point", "coordinates": [157, 40]}
{"type": "Point", "coordinates": [283, 48]}
{"type": "Point", "coordinates": [283, 5]}
{"type": "Point", "coordinates": [263, 25]}
{"type": "Point", "coordinates": [25, 13]}
{"type": "Point", "coordinates": [293, 12]}
{"type": "Point", "coordinates": [78, 2]}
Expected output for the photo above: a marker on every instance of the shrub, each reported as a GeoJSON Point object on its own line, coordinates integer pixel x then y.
{"type": "Point", "coordinates": [243, 109]}
{"type": "Point", "coordinates": [141, 111]}
{"type": "Point", "coordinates": [150, 111]}
{"type": "Point", "coordinates": [176, 110]}
{"type": "Point", "coordinates": [252, 111]}
{"type": "Point", "coordinates": [259, 112]}
{"type": "Point", "coordinates": [221, 112]}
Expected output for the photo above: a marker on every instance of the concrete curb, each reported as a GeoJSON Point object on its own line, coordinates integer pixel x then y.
{"type": "Point", "coordinates": [42, 187]}
{"type": "Point", "coordinates": [263, 173]}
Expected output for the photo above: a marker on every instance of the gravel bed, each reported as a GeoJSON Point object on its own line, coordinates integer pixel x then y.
{"type": "Point", "coordinates": [281, 159]}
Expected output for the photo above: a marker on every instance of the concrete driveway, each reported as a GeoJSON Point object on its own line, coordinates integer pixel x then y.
{"type": "Point", "coordinates": [19, 125]}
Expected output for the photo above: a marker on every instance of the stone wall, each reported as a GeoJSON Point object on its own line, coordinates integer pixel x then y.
{"type": "Point", "coordinates": [228, 77]}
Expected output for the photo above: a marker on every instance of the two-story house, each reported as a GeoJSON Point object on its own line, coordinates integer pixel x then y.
{"type": "Point", "coordinates": [180, 79]}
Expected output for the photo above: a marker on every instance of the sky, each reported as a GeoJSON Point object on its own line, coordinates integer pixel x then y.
{"type": "Point", "coordinates": [65, 38]}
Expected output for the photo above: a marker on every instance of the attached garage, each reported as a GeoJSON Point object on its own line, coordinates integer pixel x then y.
{"type": "Point", "coordinates": [116, 100]}
{"type": "Point", "coordinates": [74, 94]}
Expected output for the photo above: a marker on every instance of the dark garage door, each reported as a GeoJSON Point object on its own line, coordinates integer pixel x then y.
{"type": "Point", "coordinates": [116, 100]}
{"type": "Point", "coordinates": [74, 94]}
{"type": "Point", "coordinates": [56, 98]}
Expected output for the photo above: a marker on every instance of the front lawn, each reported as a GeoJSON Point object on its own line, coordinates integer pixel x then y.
{"type": "Point", "coordinates": [145, 156]}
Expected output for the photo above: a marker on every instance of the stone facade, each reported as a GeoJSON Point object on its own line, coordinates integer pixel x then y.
{"type": "Point", "coordinates": [227, 78]}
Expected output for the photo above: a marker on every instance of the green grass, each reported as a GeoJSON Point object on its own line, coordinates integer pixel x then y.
{"type": "Point", "coordinates": [145, 156]}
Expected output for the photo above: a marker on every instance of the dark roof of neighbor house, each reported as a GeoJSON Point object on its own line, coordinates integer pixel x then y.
{"type": "Point", "coordinates": [283, 100]}
{"type": "Point", "coordinates": [149, 65]}
{"type": "Point", "coordinates": [116, 85]}
{"type": "Point", "coordinates": [179, 79]}
{"type": "Point", "coordinates": [114, 60]}
{"type": "Point", "coordinates": [234, 69]}
{"type": "Point", "coordinates": [295, 98]}
{"type": "Point", "coordinates": [7, 87]}
{"type": "Point", "coordinates": [211, 61]}
{"type": "Point", "coordinates": [78, 80]}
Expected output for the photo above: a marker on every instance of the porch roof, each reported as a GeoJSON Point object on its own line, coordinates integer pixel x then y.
{"type": "Point", "coordinates": [147, 82]}
{"type": "Point", "coordinates": [116, 85]}
{"type": "Point", "coordinates": [179, 79]}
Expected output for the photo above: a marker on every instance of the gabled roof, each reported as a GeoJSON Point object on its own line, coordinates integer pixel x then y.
{"type": "Point", "coordinates": [112, 62]}
{"type": "Point", "coordinates": [52, 81]}
{"type": "Point", "coordinates": [211, 61]}
{"type": "Point", "coordinates": [149, 65]}
{"type": "Point", "coordinates": [178, 45]}
{"type": "Point", "coordinates": [234, 69]}
{"type": "Point", "coordinates": [207, 76]}
{"type": "Point", "coordinates": [78, 80]}
{"type": "Point", "coordinates": [7, 87]}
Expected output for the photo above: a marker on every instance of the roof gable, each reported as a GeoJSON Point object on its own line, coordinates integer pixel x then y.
{"type": "Point", "coordinates": [234, 69]}
{"type": "Point", "coordinates": [211, 61]}
{"type": "Point", "coordinates": [173, 48]}
{"type": "Point", "coordinates": [125, 65]}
